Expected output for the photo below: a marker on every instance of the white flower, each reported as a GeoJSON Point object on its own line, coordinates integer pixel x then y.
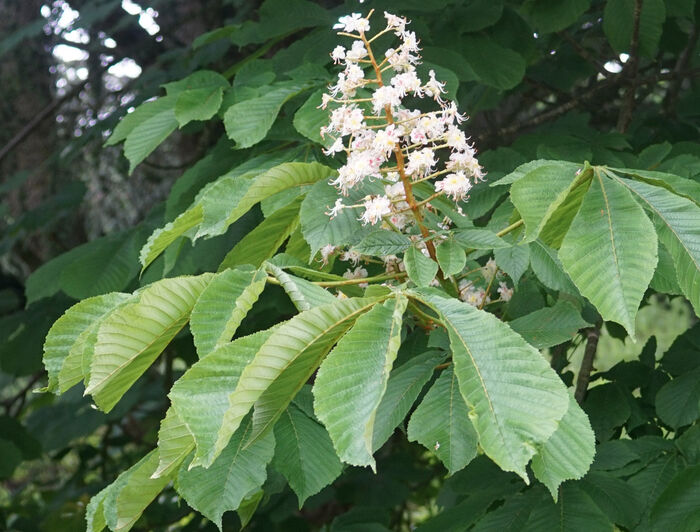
{"type": "Point", "coordinates": [434, 87]}
{"type": "Point", "coordinates": [336, 147]}
{"type": "Point", "coordinates": [410, 42]}
{"type": "Point", "coordinates": [385, 139]}
{"type": "Point", "coordinates": [407, 82]}
{"type": "Point", "coordinates": [375, 208]}
{"type": "Point", "coordinates": [356, 52]}
{"type": "Point", "coordinates": [351, 23]}
{"type": "Point", "coordinates": [505, 292]}
{"type": "Point", "coordinates": [351, 256]}
{"type": "Point", "coordinates": [420, 162]}
{"type": "Point", "coordinates": [454, 186]}
{"type": "Point", "coordinates": [384, 96]}
{"type": "Point", "coordinates": [395, 23]}
{"type": "Point", "coordinates": [357, 273]}
{"type": "Point", "coordinates": [336, 208]}
{"type": "Point", "coordinates": [338, 54]}
{"type": "Point", "coordinates": [326, 252]}
{"type": "Point", "coordinates": [456, 139]}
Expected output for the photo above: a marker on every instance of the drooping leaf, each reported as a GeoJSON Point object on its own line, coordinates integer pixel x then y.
{"type": "Point", "coordinates": [175, 443]}
{"type": "Point", "coordinates": [283, 364]}
{"type": "Point", "coordinates": [678, 401]}
{"type": "Point", "coordinates": [238, 470]}
{"type": "Point", "coordinates": [610, 251]}
{"type": "Point", "coordinates": [131, 337]}
{"type": "Point", "coordinates": [198, 104]}
{"type": "Point", "coordinates": [200, 397]}
{"type": "Point", "coordinates": [352, 379]}
{"type": "Point", "coordinates": [420, 269]}
{"type": "Point", "coordinates": [304, 453]}
{"type": "Point", "coordinates": [166, 235]}
{"type": "Point", "coordinates": [441, 423]}
{"type": "Point", "coordinates": [262, 243]}
{"type": "Point", "coordinates": [222, 305]}
{"type": "Point", "coordinates": [404, 386]}
{"type": "Point", "coordinates": [515, 399]}
{"type": "Point", "coordinates": [568, 453]}
{"type": "Point", "coordinates": [513, 260]}
{"type": "Point", "coordinates": [546, 265]}
{"type": "Point", "coordinates": [679, 232]}
{"type": "Point", "coordinates": [148, 135]}
{"type": "Point", "coordinates": [64, 334]}
{"type": "Point", "coordinates": [140, 115]}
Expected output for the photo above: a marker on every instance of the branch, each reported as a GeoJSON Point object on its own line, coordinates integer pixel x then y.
{"type": "Point", "coordinates": [627, 109]}
{"type": "Point", "coordinates": [584, 376]}
{"type": "Point", "coordinates": [38, 119]}
{"type": "Point", "coordinates": [584, 54]}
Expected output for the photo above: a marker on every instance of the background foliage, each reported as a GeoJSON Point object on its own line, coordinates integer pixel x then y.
{"type": "Point", "coordinates": [565, 82]}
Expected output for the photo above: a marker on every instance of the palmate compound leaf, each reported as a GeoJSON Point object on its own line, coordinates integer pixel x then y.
{"type": "Point", "coordinates": [121, 503]}
{"type": "Point", "coordinates": [515, 398]}
{"type": "Point", "coordinates": [131, 337]}
{"type": "Point", "coordinates": [239, 469]}
{"type": "Point", "coordinates": [200, 398]}
{"type": "Point", "coordinates": [304, 453]}
{"type": "Point", "coordinates": [610, 251]}
{"type": "Point", "coordinates": [352, 380]}
{"type": "Point", "coordinates": [222, 306]}
{"type": "Point", "coordinates": [281, 367]}
{"type": "Point", "coordinates": [64, 337]}
{"type": "Point", "coordinates": [441, 423]}
{"type": "Point", "coordinates": [568, 453]}
{"type": "Point", "coordinates": [679, 230]}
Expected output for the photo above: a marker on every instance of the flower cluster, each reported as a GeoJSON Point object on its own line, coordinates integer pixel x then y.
{"type": "Point", "coordinates": [373, 121]}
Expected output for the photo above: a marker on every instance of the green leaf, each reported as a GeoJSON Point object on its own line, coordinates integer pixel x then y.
{"type": "Point", "coordinates": [282, 177]}
{"type": "Point", "coordinates": [451, 257]}
{"type": "Point", "coordinates": [495, 65]}
{"type": "Point", "coordinates": [573, 511]}
{"type": "Point", "coordinates": [548, 269]}
{"type": "Point", "coordinates": [687, 188]}
{"type": "Point", "coordinates": [621, 502]}
{"type": "Point", "coordinates": [319, 229]}
{"type": "Point", "coordinates": [222, 306]}
{"type": "Point", "coordinates": [238, 470]}
{"type": "Point", "coordinates": [200, 397]}
{"type": "Point", "coordinates": [94, 512]}
{"type": "Point", "coordinates": [262, 243]}
{"type": "Point", "coordinates": [148, 135]}
{"type": "Point", "coordinates": [618, 22]}
{"type": "Point", "coordinates": [525, 168]}
{"type": "Point", "coordinates": [515, 398]}
{"type": "Point", "coordinates": [441, 424]}
{"type": "Point", "coordinates": [141, 114]}
{"type": "Point", "coordinates": [304, 294]}
{"type": "Point", "coordinates": [352, 379]}
{"type": "Point", "coordinates": [304, 454]}
{"type": "Point", "coordinates": [513, 260]}
{"type": "Point", "coordinates": [480, 14]}
{"type": "Point", "coordinates": [64, 334]}
{"type": "Point", "coordinates": [479, 239]}
{"type": "Point", "coordinates": [248, 122]}
{"type": "Point", "coordinates": [382, 243]}
{"type": "Point", "coordinates": [548, 17]}
{"type": "Point", "coordinates": [511, 516]}
{"type": "Point", "coordinates": [678, 401]}
{"type": "Point", "coordinates": [169, 233]}
{"type": "Point", "coordinates": [284, 363]}
{"type": "Point", "coordinates": [132, 491]}
{"type": "Point", "coordinates": [610, 252]}
{"type": "Point", "coordinates": [677, 508]}
{"type": "Point", "coordinates": [175, 442]}
{"type": "Point", "coordinates": [420, 269]}
{"type": "Point", "coordinates": [132, 336]}
{"type": "Point", "coordinates": [404, 386]}
{"type": "Point", "coordinates": [309, 119]}
{"type": "Point", "coordinates": [679, 231]}
{"type": "Point", "coordinates": [198, 104]}
{"type": "Point", "coordinates": [539, 193]}
{"type": "Point", "coordinates": [201, 79]}
{"type": "Point", "coordinates": [568, 453]}
{"type": "Point", "coordinates": [550, 326]}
